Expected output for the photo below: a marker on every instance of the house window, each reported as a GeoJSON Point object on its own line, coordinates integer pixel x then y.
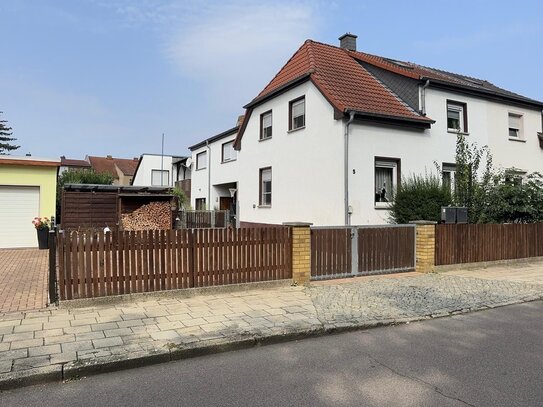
{"type": "Point", "coordinates": [514, 176]}
{"type": "Point", "coordinates": [160, 178]}
{"type": "Point", "coordinates": [448, 174]}
{"type": "Point", "coordinates": [386, 180]}
{"type": "Point", "coordinates": [457, 118]}
{"type": "Point", "coordinates": [200, 204]}
{"type": "Point", "coordinates": [515, 126]}
{"type": "Point", "coordinates": [201, 160]}
{"type": "Point", "coordinates": [266, 125]}
{"type": "Point", "coordinates": [228, 152]}
{"type": "Point", "coordinates": [297, 113]}
{"type": "Point", "coordinates": [265, 186]}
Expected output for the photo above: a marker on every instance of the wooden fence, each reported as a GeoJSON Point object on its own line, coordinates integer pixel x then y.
{"type": "Point", "coordinates": [467, 243]}
{"type": "Point", "coordinates": [363, 250]}
{"type": "Point", "coordinates": [204, 219]}
{"type": "Point", "coordinates": [102, 264]}
{"type": "Point", "coordinates": [386, 249]}
{"type": "Point", "coordinates": [330, 252]}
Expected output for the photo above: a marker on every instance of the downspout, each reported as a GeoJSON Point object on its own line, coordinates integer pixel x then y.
{"type": "Point", "coordinates": [346, 168]}
{"type": "Point", "coordinates": [423, 97]}
{"type": "Point", "coordinates": [208, 175]}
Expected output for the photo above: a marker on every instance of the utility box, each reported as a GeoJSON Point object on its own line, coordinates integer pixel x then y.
{"type": "Point", "coordinates": [452, 214]}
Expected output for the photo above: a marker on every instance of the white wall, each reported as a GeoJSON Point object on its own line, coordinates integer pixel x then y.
{"type": "Point", "coordinates": [221, 173]}
{"type": "Point", "coordinates": [307, 169]}
{"type": "Point", "coordinates": [151, 162]}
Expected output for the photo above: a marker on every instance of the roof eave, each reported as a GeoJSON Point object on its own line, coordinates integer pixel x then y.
{"type": "Point", "coordinates": [219, 136]}
{"type": "Point", "coordinates": [390, 119]}
{"type": "Point", "coordinates": [277, 91]}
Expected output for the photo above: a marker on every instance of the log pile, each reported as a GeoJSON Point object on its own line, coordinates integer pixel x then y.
{"type": "Point", "coordinates": [155, 215]}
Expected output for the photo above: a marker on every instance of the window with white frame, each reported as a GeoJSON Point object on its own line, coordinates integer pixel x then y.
{"type": "Point", "coordinates": [228, 152]}
{"type": "Point", "coordinates": [457, 116]}
{"type": "Point", "coordinates": [515, 126]}
{"type": "Point", "coordinates": [386, 180]}
{"type": "Point", "coordinates": [297, 113]}
{"type": "Point", "coordinates": [266, 125]}
{"type": "Point", "coordinates": [448, 173]}
{"type": "Point", "coordinates": [160, 177]}
{"type": "Point", "coordinates": [265, 186]}
{"type": "Point", "coordinates": [201, 160]}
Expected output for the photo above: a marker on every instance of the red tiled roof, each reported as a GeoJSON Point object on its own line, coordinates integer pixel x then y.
{"type": "Point", "coordinates": [343, 81]}
{"type": "Point", "coordinates": [69, 162]}
{"type": "Point", "coordinates": [107, 164]}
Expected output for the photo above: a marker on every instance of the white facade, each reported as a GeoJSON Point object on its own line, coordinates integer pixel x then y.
{"type": "Point", "coordinates": [308, 165]}
{"type": "Point", "coordinates": [212, 182]}
{"type": "Point", "coordinates": [157, 170]}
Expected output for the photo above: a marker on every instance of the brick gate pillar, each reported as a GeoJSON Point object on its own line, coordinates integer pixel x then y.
{"type": "Point", "coordinates": [425, 244]}
{"type": "Point", "coordinates": [301, 251]}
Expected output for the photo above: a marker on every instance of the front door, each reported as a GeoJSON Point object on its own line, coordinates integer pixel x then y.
{"type": "Point", "coordinates": [225, 203]}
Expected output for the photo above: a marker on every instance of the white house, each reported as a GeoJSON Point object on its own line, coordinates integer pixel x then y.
{"type": "Point", "coordinates": [328, 139]}
{"type": "Point", "coordinates": [215, 172]}
{"type": "Point", "coordinates": [163, 170]}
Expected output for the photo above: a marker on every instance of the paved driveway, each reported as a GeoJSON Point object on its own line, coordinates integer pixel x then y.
{"type": "Point", "coordinates": [23, 279]}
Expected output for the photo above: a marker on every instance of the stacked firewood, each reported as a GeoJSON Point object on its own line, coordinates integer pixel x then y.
{"type": "Point", "coordinates": [155, 215]}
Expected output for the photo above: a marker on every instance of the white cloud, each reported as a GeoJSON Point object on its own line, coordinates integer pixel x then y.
{"type": "Point", "coordinates": [238, 47]}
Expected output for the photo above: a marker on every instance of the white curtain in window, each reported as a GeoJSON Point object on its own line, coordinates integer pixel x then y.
{"type": "Point", "coordinates": [383, 184]}
{"type": "Point", "coordinates": [201, 160]}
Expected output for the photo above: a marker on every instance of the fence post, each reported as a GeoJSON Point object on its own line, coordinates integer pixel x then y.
{"type": "Point", "coordinates": [301, 251]}
{"type": "Point", "coordinates": [425, 245]}
{"type": "Point", "coordinates": [52, 266]}
{"type": "Point", "coordinates": [354, 251]}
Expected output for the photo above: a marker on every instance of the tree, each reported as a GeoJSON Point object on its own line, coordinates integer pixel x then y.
{"type": "Point", "coordinates": [5, 138]}
{"type": "Point", "coordinates": [419, 197]}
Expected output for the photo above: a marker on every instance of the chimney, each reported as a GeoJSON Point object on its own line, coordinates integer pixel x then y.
{"type": "Point", "coordinates": [240, 120]}
{"type": "Point", "coordinates": [348, 41]}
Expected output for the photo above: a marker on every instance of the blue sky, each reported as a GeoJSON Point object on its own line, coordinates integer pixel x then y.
{"type": "Point", "coordinates": [109, 76]}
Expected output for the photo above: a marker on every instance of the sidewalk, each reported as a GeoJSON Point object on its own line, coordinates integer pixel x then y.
{"type": "Point", "coordinates": [61, 344]}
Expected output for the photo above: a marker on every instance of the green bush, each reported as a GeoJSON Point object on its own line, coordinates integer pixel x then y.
{"type": "Point", "coordinates": [419, 198]}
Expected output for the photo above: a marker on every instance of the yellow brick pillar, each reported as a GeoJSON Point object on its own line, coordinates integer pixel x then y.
{"type": "Point", "coordinates": [301, 251]}
{"type": "Point", "coordinates": [425, 243]}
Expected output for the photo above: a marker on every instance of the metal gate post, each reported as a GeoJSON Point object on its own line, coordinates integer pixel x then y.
{"type": "Point", "coordinates": [354, 251]}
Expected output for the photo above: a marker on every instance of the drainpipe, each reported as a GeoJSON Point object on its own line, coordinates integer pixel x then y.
{"type": "Point", "coordinates": [208, 175]}
{"type": "Point", "coordinates": [423, 97]}
{"type": "Point", "coordinates": [346, 168]}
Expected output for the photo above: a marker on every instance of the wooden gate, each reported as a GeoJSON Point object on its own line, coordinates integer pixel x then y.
{"type": "Point", "coordinates": [338, 252]}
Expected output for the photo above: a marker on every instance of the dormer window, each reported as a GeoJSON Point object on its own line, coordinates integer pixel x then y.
{"type": "Point", "coordinates": [297, 113]}
{"type": "Point", "coordinates": [266, 125]}
{"type": "Point", "coordinates": [457, 119]}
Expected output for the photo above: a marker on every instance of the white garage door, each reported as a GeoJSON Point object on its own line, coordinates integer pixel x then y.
{"type": "Point", "coordinates": [18, 206]}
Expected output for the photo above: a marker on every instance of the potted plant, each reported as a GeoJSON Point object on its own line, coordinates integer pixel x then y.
{"type": "Point", "coordinates": [42, 226]}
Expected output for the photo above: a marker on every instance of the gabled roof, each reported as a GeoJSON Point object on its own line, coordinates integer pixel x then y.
{"type": "Point", "coordinates": [107, 164]}
{"type": "Point", "coordinates": [217, 137]}
{"type": "Point", "coordinates": [341, 77]}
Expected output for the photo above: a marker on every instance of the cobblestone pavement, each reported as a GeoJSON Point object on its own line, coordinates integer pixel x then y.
{"type": "Point", "coordinates": [58, 342]}
{"type": "Point", "coordinates": [417, 296]}
{"type": "Point", "coordinates": [23, 279]}
{"type": "Point", "coordinates": [524, 271]}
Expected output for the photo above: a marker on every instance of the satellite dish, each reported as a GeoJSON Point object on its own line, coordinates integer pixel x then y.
{"type": "Point", "coordinates": [188, 163]}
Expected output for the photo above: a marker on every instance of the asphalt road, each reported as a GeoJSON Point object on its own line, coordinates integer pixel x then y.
{"type": "Point", "coordinates": [489, 358]}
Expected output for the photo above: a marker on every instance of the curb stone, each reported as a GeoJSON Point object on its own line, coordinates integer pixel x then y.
{"type": "Point", "coordinates": [79, 369]}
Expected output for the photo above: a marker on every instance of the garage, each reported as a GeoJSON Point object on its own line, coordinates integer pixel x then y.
{"type": "Point", "coordinates": [28, 189]}
{"type": "Point", "coordinates": [18, 206]}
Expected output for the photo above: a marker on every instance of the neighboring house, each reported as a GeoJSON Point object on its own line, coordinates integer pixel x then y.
{"type": "Point", "coordinates": [69, 163]}
{"type": "Point", "coordinates": [329, 138]}
{"type": "Point", "coordinates": [215, 172]}
{"type": "Point", "coordinates": [27, 190]}
{"type": "Point", "coordinates": [122, 169]}
{"type": "Point", "coordinates": [159, 170]}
